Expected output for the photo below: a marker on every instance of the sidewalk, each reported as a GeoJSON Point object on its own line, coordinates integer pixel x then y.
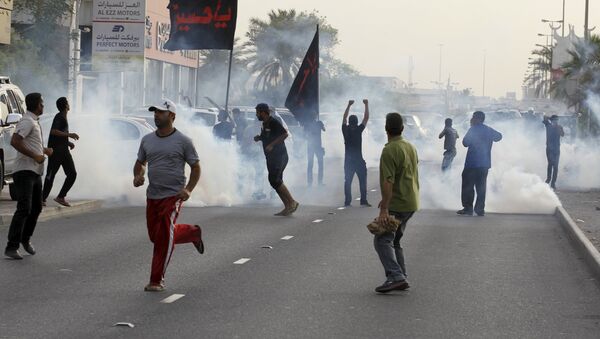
{"type": "Point", "coordinates": [584, 208]}
{"type": "Point", "coordinates": [51, 211]}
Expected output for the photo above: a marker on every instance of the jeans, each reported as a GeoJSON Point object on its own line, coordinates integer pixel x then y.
{"type": "Point", "coordinates": [28, 187]}
{"type": "Point", "coordinates": [390, 252]}
{"type": "Point", "coordinates": [448, 157]}
{"type": "Point", "coordinates": [474, 179]}
{"type": "Point", "coordinates": [553, 158]}
{"type": "Point", "coordinates": [58, 159]}
{"type": "Point", "coordinates": [311, 152]}
{"type": "Point", "coordinates": [352, 166]}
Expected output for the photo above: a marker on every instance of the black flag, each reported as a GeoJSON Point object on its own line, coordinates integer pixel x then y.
{"type": "Point", "coordinates": [303, 99]}
{"type": "Point", "coordinates": [202, 24]}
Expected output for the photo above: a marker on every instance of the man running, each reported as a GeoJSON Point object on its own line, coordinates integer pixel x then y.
{"type": "Point", "coordinates": [59, 142]}
{"type": "Point", "coordinates": [273, 136]}
{"type": "Point", "coordinates": [450, 135]}
{"type": "Point", "coordinates": [166, 151]}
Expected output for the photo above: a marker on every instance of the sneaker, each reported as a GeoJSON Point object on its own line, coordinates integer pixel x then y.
{"type": "Point", "coordinates": [62, 201]}
{"type": "Point", "coordinates": [28, 248]}
{"type": "Point", "coordinates": [199, 244]}
{"type": "Point", "coordinates": [365, 204]}
{"type": "Point", "coordinates": [480, 214]}
{"type": "Point", "coordinates": [151, 287]}
{"type": "Point", "coordinates": [464, 212]}
{"type": "Point", "coordinates": [389, 286]}
{"type": "Point", "coordinates": [13, 254]}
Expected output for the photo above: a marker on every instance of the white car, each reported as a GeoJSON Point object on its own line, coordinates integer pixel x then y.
{"type": "Point", "coordinates": [12, 108]}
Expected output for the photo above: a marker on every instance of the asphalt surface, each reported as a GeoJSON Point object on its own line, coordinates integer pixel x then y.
{"type": "Point", "coordinates": [498, 276]}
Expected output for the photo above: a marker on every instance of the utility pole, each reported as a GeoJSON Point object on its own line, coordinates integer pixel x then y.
{"type": "Point", "coordinates": [484, 57]}
{"type": "Point", "coordinates": [587, 33]}
{"type": "Point", "coordinates": [74, 58]}
{"type": "Point", "coordinates": [440, 70]}
{"type": "Point", "coordinates": [563, 20]}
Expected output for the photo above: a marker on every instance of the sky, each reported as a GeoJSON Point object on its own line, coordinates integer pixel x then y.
{"type": "Point", "coordinates": [379, 37]}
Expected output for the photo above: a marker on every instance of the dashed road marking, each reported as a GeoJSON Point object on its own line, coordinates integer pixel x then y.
{"type": "Point", "coordinates": [173, 298]}
{"type": "Point", "coordinates": [287, 237]}
{"type": "Point", "coordinates": [316, 221]}
{"type": "Point", "coordinates": [341, 208]}
{"type": "Point", "coordinates": [242, 261]}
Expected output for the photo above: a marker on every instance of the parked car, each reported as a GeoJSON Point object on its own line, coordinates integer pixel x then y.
{"type": "Point", "coordinates": [12, 108]}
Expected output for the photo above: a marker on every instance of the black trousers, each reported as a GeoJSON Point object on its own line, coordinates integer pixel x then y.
{"type": "Point", "coordinates": [276, 164]}
{"type": "Point", "coordinates": [553, 158]}
{"type": "Point", "coordinates": [58, 159]}
{"type": "Point", "coordinates": [358, 167]}
{"type": "Point", "coordinates": [474, 179]}
{"type": "Point", "coordinates": [28, 186]}
{"type": "Point", "coordinates": [312, 152]}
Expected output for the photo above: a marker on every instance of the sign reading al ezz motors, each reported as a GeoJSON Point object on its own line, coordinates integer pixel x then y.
{"type": "Point", "coordinates": [119, 10]}
{"type": "Point", "coordinates": [118, 35]}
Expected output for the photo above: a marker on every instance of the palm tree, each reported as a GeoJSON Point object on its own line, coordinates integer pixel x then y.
{"type": "Point", "coordinates": [275, 48]}
{"type": "Point", "coordinates": [540, 67]}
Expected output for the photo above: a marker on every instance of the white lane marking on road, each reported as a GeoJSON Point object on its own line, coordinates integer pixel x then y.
{"type": "Point", "coordinates": [173, 298]}
{"type": "Point", "coordinates": [242, 261]}
{"type": "Point", "coordinates": [341, 208]}
{"type": "Point", "coordinates": [287, 237]}
{"type": "Point", "coordinates": [316, 221]}
{"type": "Point", "coordinates": [373, 190]}
{"type": "Point", "coordinates": [357, 199]}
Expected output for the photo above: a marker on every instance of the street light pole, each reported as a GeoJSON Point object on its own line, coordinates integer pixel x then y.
{"type": "Point", "coordinates": [563, 20]}
{"type": "Point", "coordinates": [440, 70]}
{"type": "Point", "coordinates": [587, 7]}
{"type": "Point", "coordinates": [484, 57]}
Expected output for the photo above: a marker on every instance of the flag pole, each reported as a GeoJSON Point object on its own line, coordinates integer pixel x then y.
{"type": "Point", "coordinates": [318, 68]}
{"type": "Point", "coordinates": [228, 79]}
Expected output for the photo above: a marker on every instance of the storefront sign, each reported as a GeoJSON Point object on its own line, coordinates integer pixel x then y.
{"type": "Point", "coordinates": [118, 46]}
{"type": "Point", "coordinates": [119, 10]}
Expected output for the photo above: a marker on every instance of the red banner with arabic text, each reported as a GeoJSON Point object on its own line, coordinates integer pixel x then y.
{"type": "Point", "coordinates": [202, 24]}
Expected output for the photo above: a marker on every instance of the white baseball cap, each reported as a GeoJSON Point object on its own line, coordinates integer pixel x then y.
{"type": "Point", "coordinates": [164, 105]}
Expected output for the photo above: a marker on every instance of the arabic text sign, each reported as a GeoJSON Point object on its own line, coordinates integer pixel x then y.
{"type": "Point", "coordinates": [202, 24]}
{"type": "Point", "coordinates": [119, 10]}
{"type": "Point", "coordinates": [117, 46]}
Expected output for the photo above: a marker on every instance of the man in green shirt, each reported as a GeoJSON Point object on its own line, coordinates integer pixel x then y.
{"type": "Point", "coordinates": [399, 179]}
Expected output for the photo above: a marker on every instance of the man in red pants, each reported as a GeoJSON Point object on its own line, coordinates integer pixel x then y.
{"type": "Point", "coordinates": [166, 151]}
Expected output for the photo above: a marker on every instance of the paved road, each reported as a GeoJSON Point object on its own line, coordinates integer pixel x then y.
{"type": "Point", "coordinates": [499, 276]}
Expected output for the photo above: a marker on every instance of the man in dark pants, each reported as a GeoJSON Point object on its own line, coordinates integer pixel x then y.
{"type": "Point", "coordinates": [450, 135]}
{"type": "Point", "coordinates": [554, 132]}
{"type": "Point", "coordinates": [59, 142]}
{"type": "Point", "coordinates": [314, 148]}
{"type": "Point", "coordinates": [399, 180]}
{"type": "Point", "coordinates": [479, 140]}
{"type": "Point", "coordinates": [353, 160]}
{"type": "Point", "coordinates": [29, 167]}
{"type": "Point", "coordinates": [273, 136]}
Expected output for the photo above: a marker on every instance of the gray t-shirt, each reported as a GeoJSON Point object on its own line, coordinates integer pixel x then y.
{"type": "Point", "coordinates": [29, 128]}
{"type": "Point", "coordinates": [166, 157]}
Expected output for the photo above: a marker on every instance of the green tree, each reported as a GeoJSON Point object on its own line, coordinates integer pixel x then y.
{"type": "Point", "coordinates": [581, 80]}
{"type": "Point", "coordinates": [539, 77]}
{"type": "Point", "coordinates": [37, 58]}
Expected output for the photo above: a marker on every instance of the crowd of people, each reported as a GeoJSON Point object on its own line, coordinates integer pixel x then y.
{"type": "Point", "coordinates": [166, 152]}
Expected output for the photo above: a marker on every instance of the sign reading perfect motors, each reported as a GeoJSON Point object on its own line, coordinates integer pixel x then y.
{"type": "Point", "coordinates": [118, 35]}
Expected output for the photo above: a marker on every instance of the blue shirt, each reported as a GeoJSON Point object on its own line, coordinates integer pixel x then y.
{"type": "Point", "coordinates": [479, 140]}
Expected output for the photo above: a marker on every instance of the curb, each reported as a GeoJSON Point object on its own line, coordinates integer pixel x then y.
{"type": "Point", "coordinates": [591, 256]}
{"type": "Point", "coordinates": [54, 212]}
